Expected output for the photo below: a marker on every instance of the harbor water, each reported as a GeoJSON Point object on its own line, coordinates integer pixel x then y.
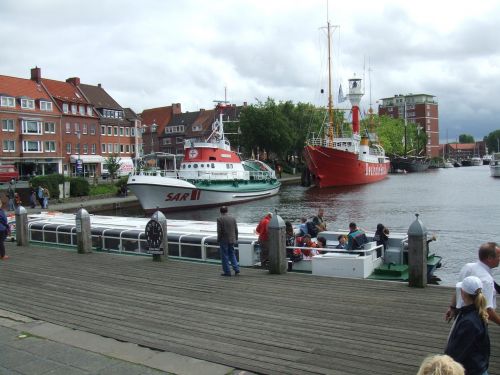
{"type": "Point", "coordinates": [461, 206]}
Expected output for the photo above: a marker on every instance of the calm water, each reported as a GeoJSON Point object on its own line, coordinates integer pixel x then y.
{"type": "Point", "coordinates": [460, 205]}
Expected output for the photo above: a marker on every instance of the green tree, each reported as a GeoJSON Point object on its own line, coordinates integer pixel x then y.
{"type": "Point", "coordinates": [112, 164]}
{"type": "Point", "coordinates": [465, 138]}
{"type": "Point", "coordinates": [493, 141]}
{"type": "Point", "coordinates": [391, 135]}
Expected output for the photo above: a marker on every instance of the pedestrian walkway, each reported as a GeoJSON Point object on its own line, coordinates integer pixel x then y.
{"type": "Point", "coordinates": [30, 346]}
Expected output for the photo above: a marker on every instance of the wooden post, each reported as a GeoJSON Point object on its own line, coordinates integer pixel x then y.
{"type": "Point", "coordinates": [22, 226]}
{"type": "Point", "coordinates": [277, 245]}
{"type": "Point", "coordinates": [417, 254]}
{"type": "Point", "coordinates": [83, 232]}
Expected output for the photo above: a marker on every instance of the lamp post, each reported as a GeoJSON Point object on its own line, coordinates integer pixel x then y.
{"type": "Point", "coordinates": [79, 166]}
{"type": "Point", "coordinates": [153, 130]}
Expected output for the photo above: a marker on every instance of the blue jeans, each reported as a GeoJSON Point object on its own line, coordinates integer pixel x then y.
{"type": "Point", "coordinates": [227, 256]}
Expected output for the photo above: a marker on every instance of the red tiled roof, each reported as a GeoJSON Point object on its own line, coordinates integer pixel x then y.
{"type": "Point", "coordinates": [161, 116]}
{"type": "Point", "coordinates": [63, 90]}
{"type": "Point", "coordinates": [463, 146]}
{"type": "Point", "coordinates": [18, 87]}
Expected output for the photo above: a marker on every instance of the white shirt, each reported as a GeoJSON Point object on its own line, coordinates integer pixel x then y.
{"type": "Point", "coordinates": [483, 272]}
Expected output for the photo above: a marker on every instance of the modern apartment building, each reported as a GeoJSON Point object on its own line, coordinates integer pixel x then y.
{"type": "Point", "coordinates": [421, 109]}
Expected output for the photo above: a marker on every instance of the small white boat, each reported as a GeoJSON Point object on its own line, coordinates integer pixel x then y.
{"type": "Point", "coordinates": [487, 159]}
{"type": "Point", "coordinates": [495, 165]}
{"type": "Point", "coordinates": [448, 164]}
{"type": "Point", "coordinates": [476, 161]}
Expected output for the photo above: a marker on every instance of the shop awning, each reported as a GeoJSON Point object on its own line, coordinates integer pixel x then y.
{"type": "Point", "coordinates": [87, 158]}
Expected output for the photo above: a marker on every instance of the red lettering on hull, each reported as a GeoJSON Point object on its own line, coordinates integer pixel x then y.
{"type": "Point", "coordinates": [177, 197]}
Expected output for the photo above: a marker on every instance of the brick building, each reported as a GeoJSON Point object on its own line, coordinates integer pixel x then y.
{"type": "Point", "coordinates": [421, 109]}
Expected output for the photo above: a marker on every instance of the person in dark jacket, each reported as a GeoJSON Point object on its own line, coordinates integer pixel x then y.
{"type": "Point", "coordinates": [4, 232]}
{"type": "Point", "coordinates": [381, 235]}
{"type": "Point", "coordinates": [227, 236]}
{"type": "Point", "coordinates": [469, 342]}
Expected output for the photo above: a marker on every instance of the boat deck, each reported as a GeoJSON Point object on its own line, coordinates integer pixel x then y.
{"type": "Point", "coordinates": [269, 324]}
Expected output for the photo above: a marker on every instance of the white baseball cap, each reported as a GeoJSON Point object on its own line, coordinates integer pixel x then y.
{"type": "Point", "coordinates": [470, 285]}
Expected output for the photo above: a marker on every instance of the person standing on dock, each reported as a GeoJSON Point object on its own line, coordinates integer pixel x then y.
{"type": "Point", "coordinates": [262, 231]}
{"type": "Point", "coordinates": [227, 236]}
{"type": "Point", "coordinates": [4, 232]}
{"type": "Point", "coordinates": [469, 342]}
{"type": "Point", "coordinates": [489, 258]}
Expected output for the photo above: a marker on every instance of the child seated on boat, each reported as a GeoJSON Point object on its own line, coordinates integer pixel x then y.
{"type": "Point", "coordinates": [309, 246]}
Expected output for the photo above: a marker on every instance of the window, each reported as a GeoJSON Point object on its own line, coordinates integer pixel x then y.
{"type": "Point", "coordinates": [73, 108]}
{"type": "Point", "coordinates": [428, 113]}
{"type": "Point", "coordinates": [89, 110]}
{"type": "Point", "coordinates": [85, 148]}
{"type": "Point", "coordinates": [110, 130]}
{"type": "Point", "coordinates": [68, 148]}
{"type": "Point", "coordinates": [32, 146]}
{"type": "Point", "coordinates": [103, 130]}
{"type": "Point", "coordinates": [77, 127]}
{"type": "Point", "coordinates": [77, 148]}
{"type": "Point", "coordinates": [68, 128]}
{"type": "Point", "coordinates": [8, 125]}
{"type": "Point", "coordinates": [50, 127]}
{"type": "Point", "coordinates": [84, 128]}
{"type": "Point", "coordinates": [196, 128]}
{"type": "Point", "coordinates": [103, 148]}
{"type": "Point", "coordinates": [167, 141]}
{"type": "Point", "coordinates": [27, 103]}
{"type": "Point", "coordinates": [93, 148]}
{"type": "Point", "coordinates": [122, 150]}
{"type": "Point", "coordinates": [31, 127]}
{"type": "Point", "coordinates": [132, 132]}
{"type": "Point", "coordinates": [82, 109]}
{"type": "Point", "coordinates": [50, 146]}
{"type": "Point", "coordinates": [115, 130]}
{"type": "Point", "coordinates": [116, 149]}
{"type": "Point", "coordinates": [110, 148]}
{"type": "Point", "coordinates": [175, 129]}
{"type": "Point", "coordinates": [127, 149]}
{"type": "Point", "coordinates": [65, 108]}
{"type": "Point", "coordinates": [45, 106]}
{"type": "Point", "coordinates": [127, 132]}
{"type": "Point", "coordinates": [92, 129]}
{"type": "Point", "coordinates": [179, 140]}
{"type": "Point", "coordinates": [9, 145]}
{"type": "Point", "coordinates": [7, 101]}
{"type": "Point", "coordinates": [121, 130]}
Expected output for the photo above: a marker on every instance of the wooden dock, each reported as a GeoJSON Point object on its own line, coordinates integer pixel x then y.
{"type": "Point", "coordinates": [269, 324]}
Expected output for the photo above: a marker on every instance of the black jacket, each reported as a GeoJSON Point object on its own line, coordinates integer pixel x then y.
{"type": "Point", "coordinates": [469, 343]}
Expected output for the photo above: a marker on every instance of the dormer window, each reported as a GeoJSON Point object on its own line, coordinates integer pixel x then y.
{"type": "Point", "coordinates": [45, 106]}
{"type": "Point", "coordinates": [65, 107]}
{"type": "Point", "coordinates": [89, 110]}
{"type": "Point", "coordinates": [82, 110]}
{"type": "Point", "coordinates": [27, 104]}
{"type": "Point", "coordinates": [196, 128]}
{"type": "Point", "coordinates": [7, 101]}
{"type": "Point", "coordinates": [74, 109]}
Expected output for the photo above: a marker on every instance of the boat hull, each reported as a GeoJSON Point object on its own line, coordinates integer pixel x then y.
{"type": "Point", "coordinates": [332, 167]}
{"type": "Point", "coordinates": [410, 164]}
{"type": "Point", "coordinates": [170, 194]}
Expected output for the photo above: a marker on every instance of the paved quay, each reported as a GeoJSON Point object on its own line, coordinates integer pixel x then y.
{"type": "Point", "coordinates": [196, 322]}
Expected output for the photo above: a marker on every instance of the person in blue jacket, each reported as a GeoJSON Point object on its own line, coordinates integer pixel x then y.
{"type": "Point", "coordinates": [469, 342]}
{"type": "Point", "coordinates": [4, 232]}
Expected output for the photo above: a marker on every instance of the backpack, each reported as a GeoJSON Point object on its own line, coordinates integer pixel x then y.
{"type": "Point", "coordinates": [359, 240]}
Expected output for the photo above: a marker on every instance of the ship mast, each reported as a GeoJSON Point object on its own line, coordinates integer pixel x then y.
{"type": "Point", "coordinates": [330, 95]}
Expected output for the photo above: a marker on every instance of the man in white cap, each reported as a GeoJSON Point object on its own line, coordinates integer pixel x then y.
{"type": "Point", "coordinates": [489, 258]}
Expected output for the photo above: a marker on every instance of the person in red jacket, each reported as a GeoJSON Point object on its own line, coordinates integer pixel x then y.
{"type": "Point", "coordinates": [262, 231]}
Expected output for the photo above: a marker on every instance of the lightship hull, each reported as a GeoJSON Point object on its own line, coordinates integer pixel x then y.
{"type": "Point", "coordinates": [171, 194]}
{"type": "Point", "coordinates": [332, 167]}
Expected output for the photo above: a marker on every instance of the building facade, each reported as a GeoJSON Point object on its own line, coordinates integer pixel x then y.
{"type": "Point", "coordinates": [421, 109]}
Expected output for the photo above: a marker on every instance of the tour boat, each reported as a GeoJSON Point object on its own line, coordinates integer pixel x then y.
{"type": "Point", "coordinates": [336, 160]}
{"type": "Point", "coordinates": [495, 165]}
{"type": "Point", "coordinates": [197, 240]}
{"type": "Point", "coordinates": [211, 174]}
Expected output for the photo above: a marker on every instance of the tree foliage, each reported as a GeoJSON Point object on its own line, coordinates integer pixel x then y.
{"type": "Point", "coordinates": [493, 141]}
{"type": "Point", "coordinates": [112, 164]}
{"type": "Point", "coordinates": [466, 138]}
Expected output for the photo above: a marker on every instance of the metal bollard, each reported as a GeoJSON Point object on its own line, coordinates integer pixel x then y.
{"type": "Point", "coordinates": [417, 254]}
{"type": "Point", "coordinates": [83, 232]}
{"type": "Point", "coordinates": [22, 226]}
{"type": "Point", "coordinates": [156, 237]}
{"type": "Point", "coordinates": [277, 245]}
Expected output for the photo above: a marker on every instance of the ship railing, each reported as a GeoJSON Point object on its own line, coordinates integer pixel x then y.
{"type": "Point", "coordinates": [344, 144]}
{"type": "Point", "coordinates": [187, 246]}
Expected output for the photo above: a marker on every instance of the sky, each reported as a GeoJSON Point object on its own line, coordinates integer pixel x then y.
{"type": "Point", "coordinates": [153, 53]}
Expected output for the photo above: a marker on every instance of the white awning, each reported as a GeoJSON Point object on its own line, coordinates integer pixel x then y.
{"type": "Point", "coordinates": [87, 158]}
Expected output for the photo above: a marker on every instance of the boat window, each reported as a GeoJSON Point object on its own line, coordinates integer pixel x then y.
{"type": "Point", "coordinates": [202, 165]}
{"type": "Point", "coordinates": [189, 165]}
{"type": "Point", "coordinates": [195, 165]}
{"type": "Point", "coordinates": [213, 165]}
{"type": "Point", "coordinates": [184, 166]}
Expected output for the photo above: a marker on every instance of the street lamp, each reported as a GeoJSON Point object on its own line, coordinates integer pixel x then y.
{"type": "Point", "coordinates": [153, 130]}
{"type": "Point", "coordinates": [79, 166]}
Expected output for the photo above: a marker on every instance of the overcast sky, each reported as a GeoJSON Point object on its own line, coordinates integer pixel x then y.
{"type": "Point", "coordinates": [152, 53]}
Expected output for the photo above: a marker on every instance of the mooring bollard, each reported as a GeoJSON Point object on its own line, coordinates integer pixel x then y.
{"type": "Point", "coordinates": [22, 226]}
{"type": "Point", "coordinates": [83, 232]}
{"type": "Point", "coordinates": [417, 254]}
{"type": "Point", "coordinates": [156, 237]}
{"type": "Point", "coordinates": [277, 245]}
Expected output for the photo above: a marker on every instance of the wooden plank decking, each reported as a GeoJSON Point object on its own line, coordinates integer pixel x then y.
{"type": "Point", "coordinates": [270, 324]}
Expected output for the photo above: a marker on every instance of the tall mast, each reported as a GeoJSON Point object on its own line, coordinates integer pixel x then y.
{"type": "Point", "coordinates": [330, 96]}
